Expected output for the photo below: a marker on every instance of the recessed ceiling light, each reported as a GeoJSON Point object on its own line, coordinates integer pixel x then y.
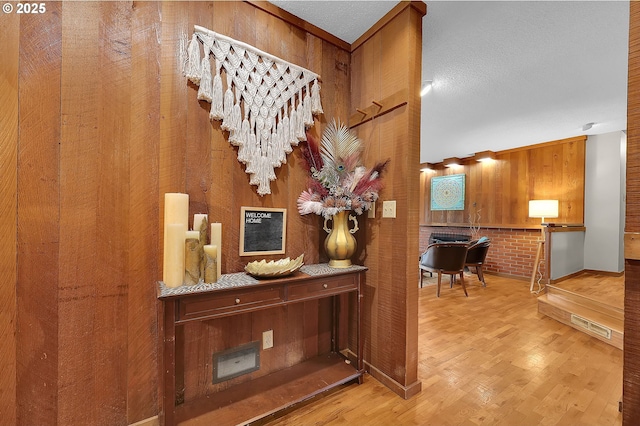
{"type": "Point", "coordinates": [587, 126]}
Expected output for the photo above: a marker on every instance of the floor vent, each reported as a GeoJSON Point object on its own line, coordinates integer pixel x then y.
{"type": "Point", "coordinates": [593, 327]}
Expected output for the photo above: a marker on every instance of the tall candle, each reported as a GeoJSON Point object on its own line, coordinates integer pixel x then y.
{"type": "Point", "coordinates": [201, 224]}
{"type": "Point", "coordinates": [211, 264]}
{"type": "Point", "coordinates": [176, 212]}
{"type": "Point", "coordinates": [198, 218]}
{"type": "Point", "coordinates": [216, 240]}
{"type": "Point", "coordinates": [195, 235]}
{"type": "Point", "coordinates": [174, 255]}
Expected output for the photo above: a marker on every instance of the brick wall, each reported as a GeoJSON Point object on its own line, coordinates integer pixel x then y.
{"type": "Point", "coordinates": [512, 251]}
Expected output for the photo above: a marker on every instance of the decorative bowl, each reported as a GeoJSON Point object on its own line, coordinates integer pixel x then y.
{"type": "Point", "coordinates": [274, 268]}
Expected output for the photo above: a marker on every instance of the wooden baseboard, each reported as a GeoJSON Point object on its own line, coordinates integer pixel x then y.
{"type": "Point", "coordinates": [151, 421]}
{"type": "Point", "coordinates": [403, 391]}
{"type": "Point", "coordinates": [566, 277]}
{"type": "Point", "coordinates": [606, 273]}
{"type": "Point", "coordinates": [587, 271]}
{"type": "Point", "coordinates": [502, 274]}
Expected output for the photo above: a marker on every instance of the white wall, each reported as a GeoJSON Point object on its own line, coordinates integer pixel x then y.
{"type": "Point", "coordinates": [567, 253]}
{"type": "Point", "coordinates": [604, 202]}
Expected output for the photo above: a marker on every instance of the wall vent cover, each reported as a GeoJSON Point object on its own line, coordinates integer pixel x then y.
{"type": "Point", "coordinates": [236, 361]}
{"type": "Point", "coordinates": [593, 327]}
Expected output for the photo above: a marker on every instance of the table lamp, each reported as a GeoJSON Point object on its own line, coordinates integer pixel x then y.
{"type": "Point", "coordinates": [543, 208]}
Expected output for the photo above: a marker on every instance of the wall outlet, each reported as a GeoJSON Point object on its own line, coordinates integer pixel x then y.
{"type": "Point", "coordinates": [389, 209]}
{"type": "Point", "coordinates": [267, 339]}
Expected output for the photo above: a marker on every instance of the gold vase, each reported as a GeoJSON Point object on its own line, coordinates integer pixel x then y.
{"type": "Point", "coordinates": [340, 244]}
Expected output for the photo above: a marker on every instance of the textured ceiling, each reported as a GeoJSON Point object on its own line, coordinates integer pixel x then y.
{"type": "Point", "coordinates": [507, 73]}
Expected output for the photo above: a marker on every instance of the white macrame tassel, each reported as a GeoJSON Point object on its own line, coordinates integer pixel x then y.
{"type": "Point", "coordinates": [286, 133]}
{"type": "Point", "coordinates": [236, 124]}
{"type": "Point", "coordinates": [251, 154]}
{"type": "Point", "coordinates": [308, 117]}
{"type": "Point", "coordinates": [300, 130]}
{"type": "Point", "coordinates": [316, 105]}
{"type": "Point", "coordinates": [192, 71]}
{"type": "Point", "coordinates": [217, 108]}
{"type": "Point", "coordinates": [228, 106]}
{"type": "Point", "coordinates": [293, 124]}
{"type": "Point", "coordinates": [205, 91]}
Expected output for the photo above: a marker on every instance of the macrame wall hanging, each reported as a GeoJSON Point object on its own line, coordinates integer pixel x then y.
{"type": "Point", "coordinates": [265, 103]}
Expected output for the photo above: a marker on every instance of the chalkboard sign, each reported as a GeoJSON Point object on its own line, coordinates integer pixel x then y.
{"type": "Point", "coordinates": [262, 231]}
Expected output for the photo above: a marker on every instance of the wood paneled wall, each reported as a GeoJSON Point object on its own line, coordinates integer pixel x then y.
{"type": "Point", "coordinates": [631, 368]}
{"type": "Point", "coordinates": [98, 122]}
{"type": "Point", "coordinates": [500, 190]}
{"type": "Point", "coordinates": [389, 247]}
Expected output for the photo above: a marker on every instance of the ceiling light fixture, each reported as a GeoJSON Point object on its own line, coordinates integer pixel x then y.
{"type": "Point", "coordinates": [451, 162]}
{"type": "Point", "coordinates": [485, 156]}
{"type": "Point", "coordinates": [426, 87]}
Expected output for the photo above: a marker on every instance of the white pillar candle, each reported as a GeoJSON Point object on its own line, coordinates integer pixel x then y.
{"type": "Point", "coordinates": [216, 240]}
{"type": "Point", "coordinates": [211, 250]}
{"type": "Point", "coordinates": [211, 265]}
{"type": "Point", "coordinates": [192, 235]}
{"type": "Point", "coordinates": [198, 218]}
{"type": "Point", "coordinates": [174, 255]}
{"type": "Point", "coordinates": [176, 212]}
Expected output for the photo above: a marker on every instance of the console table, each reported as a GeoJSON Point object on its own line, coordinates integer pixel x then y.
{"type": "Point", "coordinates": [240, 293]}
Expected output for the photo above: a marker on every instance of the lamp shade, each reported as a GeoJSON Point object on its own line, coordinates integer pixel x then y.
{"type": "Point", "coordinates": [543, 208]}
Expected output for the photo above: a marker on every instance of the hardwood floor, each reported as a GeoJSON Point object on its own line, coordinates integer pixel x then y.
{"type": "Point", "coordinates": [489, 359]}
{"type": "Point", "coordinates": [605, 288]}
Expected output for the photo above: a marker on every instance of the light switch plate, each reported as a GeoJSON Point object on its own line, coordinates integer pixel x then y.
{"type": "Point", "coordinates": [267, 339]}
{"type": "Point", "coordinates": [389, 209]}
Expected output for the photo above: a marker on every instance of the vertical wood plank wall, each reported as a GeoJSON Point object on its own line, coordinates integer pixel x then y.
{"type": "Point", "coordinates": [9, 51]}
{"type": "Point", "coordinates": [98, 122]}
{"type": "Point", "coordinates": [500, 190]}
{"type": "Point", "coordinates": [631, 368]}
{"type": "Point", "coordinates": [391, 290]}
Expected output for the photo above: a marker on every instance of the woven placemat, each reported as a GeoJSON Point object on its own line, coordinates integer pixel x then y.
{"type": "Point", "coordinates": [238, 279]}
{"type": "Point", "coordinates": [325, 269]}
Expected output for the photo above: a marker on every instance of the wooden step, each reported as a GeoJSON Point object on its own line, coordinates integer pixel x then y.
{"type": "Point", "coordinates": [581, 315]}
{"type": "Point", "coordinates": [588, 302]}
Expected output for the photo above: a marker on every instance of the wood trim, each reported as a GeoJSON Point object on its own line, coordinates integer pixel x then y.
{"type": "Point", "coordinates": [606, 273]}
{"type": "Point", "coordinates": [566, 277]}
{"type": "Point", "coordinates": [405, 392]}
{"type": "Point", "coordinates": [151, 421]}
{"type": "Point", "coordinates": [300, 23]}
{"type": "Point", "coordinates": [543, 145]}
{"type": "Point", "coordinates": [632, 245]}
{"type": "Point", "coordinates": [482, 226]}
{"type": "Point", "coordinates": [631, 360]}
{"type": "Point", "coordinates": [566, 228]}
{"type": "Point", "coordinates": [420, 6]}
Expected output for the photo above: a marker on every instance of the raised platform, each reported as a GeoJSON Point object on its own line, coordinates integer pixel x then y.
{"type": "Point", "coordinates": [579, 303]}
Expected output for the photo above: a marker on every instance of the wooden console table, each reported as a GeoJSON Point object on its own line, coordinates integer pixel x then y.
{"type": "Point", "coordinates": [240, 293]}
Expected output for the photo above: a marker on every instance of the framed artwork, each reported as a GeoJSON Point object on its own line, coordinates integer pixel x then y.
{"type": "Point", "coordinates": [262, 231]}
{"type": "Point", "coordinates": [447, 192]}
